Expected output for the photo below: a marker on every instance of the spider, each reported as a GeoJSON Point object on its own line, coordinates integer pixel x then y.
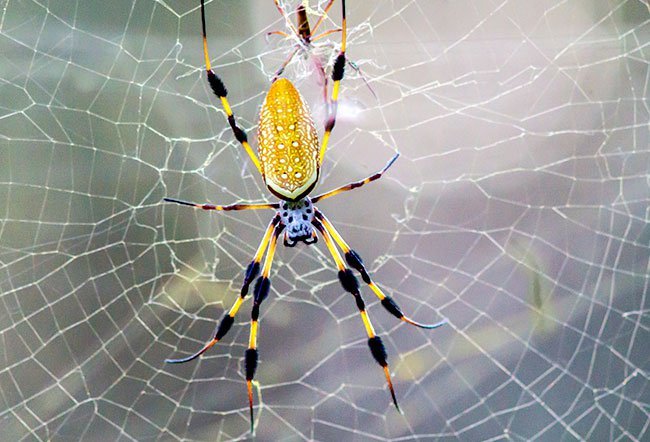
{"type": "Point", "coordinates": [304, 34]}
{"type": "Point", "coordinates": [289, 162]}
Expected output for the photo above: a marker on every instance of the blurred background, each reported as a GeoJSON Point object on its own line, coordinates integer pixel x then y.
{"type": "Point", "coordinates": [518, 210]}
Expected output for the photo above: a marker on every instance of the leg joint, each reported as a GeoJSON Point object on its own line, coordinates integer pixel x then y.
{"type": "Point", "coordinates": [240, 135]}
{"type": "Point", "coordinates": [216, 84]}
{"type": "Point", "coordinates": [251, 273]}
{"type": "Point", "coordinates": [250, 362]}
{"type": "Point", "coordinates": [349, 281]}
{"type": "Point", "coordinates": [224, 327]}
{"type": "Point", "coordinates": [393, 308]}
{"type": "Point", "coordinates": [339, 67]}
{"type": "Point", "coordinates": [378, 350]}
{"type": "Point", "coordinates": [359, 300]}
{"type": "Point", "coordinates": [262, 288]}
{"type": "Point", "coordinates": [329, 125]}
{"type": "Point", "coordinates": [354, 260]}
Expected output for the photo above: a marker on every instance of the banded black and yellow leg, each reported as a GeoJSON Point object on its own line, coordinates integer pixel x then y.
{"type": "Point", "coordinates": [220, 91]}
{"type": "Point", "coordinates": [236, 206]}
{"type": "Point", "coordinates": [354, 260]}
{"type": "Point", "coordinates": [351, 285]}
{"type": "Point", "coordinates": [229, 318]}
{"type": "Point", "coordinates": [261, 291]}
{"type": "Point", "coordinates": [337, 76]}
{"type": "Point", "coordinates": [356, 184]}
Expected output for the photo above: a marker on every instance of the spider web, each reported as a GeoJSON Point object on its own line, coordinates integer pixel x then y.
{"type": "Point", "coordinates": [518, 210]}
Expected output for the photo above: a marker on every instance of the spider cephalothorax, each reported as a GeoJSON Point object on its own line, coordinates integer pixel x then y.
{"type": "Point", "coordinates": [298, 216]}
{"type": "Point", "coordinates": [289, 162]}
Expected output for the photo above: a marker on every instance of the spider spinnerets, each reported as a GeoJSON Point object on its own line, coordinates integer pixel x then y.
{"type": "Point", "coordinates": [289, 161]}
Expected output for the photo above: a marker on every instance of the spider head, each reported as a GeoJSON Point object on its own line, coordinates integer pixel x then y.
{"type": "Point", "coordinates": [297, 217]}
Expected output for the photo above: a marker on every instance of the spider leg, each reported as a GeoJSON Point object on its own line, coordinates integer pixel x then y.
{"type": "Point", "coordinates": [285, 64]}
{"type": "Point", "coordinates": [237, 206]}
{"type": "Point", "coordinates": [356, 184]}
{"type": "Point", "coordinates": [303, 33]}
{"type": "Point", "coordinates": [357, 69]}
{"type": "Point", "coordinates": [351, 285]}
{"type": "Point", "coordinates": [325, 34]}
{"type": "Point", "coordinates": [321, 18]}
{"type": "Point", "coordinates": [284, 15]}
{"type": "Point", "coordinates": [280, 33]}
{"type": "Point", "coordinates": [350, 63]}
{"type": "Point", "coordinates": [220, 91]}
{"type": "Point", "coordinates": [322, 76]}
{"type": "Point", "coordinates": [229, 318]}
{"type": "Point", "coordinates": [354, 261]}
{"type": "Point", "coordinates": [337, 76]}
{"type": "Point", "coordinates": [261, 291]}
{"type": "Point", "coordinates": [296, 32]}
{"type": "Point", "coordinates": [330, 32]}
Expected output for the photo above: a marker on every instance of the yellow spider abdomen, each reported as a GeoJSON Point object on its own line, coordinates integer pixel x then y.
{"type": "Point", "coordinates": [287, 142]}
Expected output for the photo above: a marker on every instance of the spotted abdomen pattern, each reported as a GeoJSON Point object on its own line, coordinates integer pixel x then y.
{"type": "Point", "coordinates": [288, 142]}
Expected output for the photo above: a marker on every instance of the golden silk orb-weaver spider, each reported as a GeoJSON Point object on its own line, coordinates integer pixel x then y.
{"type": "Point", "coordinates": [289, 162]}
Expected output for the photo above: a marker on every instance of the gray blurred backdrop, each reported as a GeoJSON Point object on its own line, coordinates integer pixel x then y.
{"type": "Point", "coordinates": [518, 210]}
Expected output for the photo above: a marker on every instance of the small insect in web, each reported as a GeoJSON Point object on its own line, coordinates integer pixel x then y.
{"type": "Point", "coordinates": [289, 161]}
{"type": "Point", "coordinates": [305, 36]}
